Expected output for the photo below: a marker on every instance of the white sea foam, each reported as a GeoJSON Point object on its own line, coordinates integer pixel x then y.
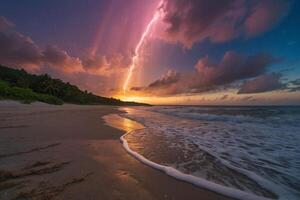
{"type": "Point", "coordinates": [251, 152]}
{"type": "Point", "coordinates": [200, 182]}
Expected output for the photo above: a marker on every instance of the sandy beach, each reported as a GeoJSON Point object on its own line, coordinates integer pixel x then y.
{"type": "Point", "coordinates": [68, 152]}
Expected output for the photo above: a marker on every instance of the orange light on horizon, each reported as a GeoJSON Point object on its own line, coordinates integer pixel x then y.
{"type": "Point", "coordinates": [135, 99]}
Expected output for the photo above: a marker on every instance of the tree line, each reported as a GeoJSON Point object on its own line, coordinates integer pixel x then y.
{"type": "Point", "coordinates": [55, 89]}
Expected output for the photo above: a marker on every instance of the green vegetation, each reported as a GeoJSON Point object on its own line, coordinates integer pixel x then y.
{"type": "Point", "coordinates": [25, 95]}
{"type": "Point", "coordinates": [20, 85]}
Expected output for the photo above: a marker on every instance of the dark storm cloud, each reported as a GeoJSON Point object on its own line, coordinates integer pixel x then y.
{"type": "Point", "coordinates": [162, 84]}
{"type": "Point", "coordinates": [269, 82]}
{"type": "Point", "coordinates": [232, 67]}
{"type": "Point", "coordinates": [189, 21]}
{"type": "Point", "coordinates": [263, 83]}
{"type": "Point", "coordinates": [169, 78]}
{"type": "Point", "coordinates": [209, 75]}
{"type": "Point", "coordinates": [17, 49]}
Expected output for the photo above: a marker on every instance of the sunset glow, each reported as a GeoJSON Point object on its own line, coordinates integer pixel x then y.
{"type": "Point", "coordinates": [162, 51]}
{"type": "Point", "coordinates": [195, 99]}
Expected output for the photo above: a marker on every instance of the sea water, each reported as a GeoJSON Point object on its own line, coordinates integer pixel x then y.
{"type": "Point", "coordinates": [244, 152]}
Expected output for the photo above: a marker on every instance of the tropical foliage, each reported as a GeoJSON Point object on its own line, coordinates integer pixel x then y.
{"type": "Point", "coordinates": [18, 84]}
{"type": "Point", "coordinates": [26, 95]}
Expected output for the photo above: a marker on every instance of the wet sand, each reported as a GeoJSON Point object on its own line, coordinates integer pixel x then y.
{"type": "Point", "coordinates": [68, 152]}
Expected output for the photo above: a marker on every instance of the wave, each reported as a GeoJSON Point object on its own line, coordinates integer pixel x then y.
{"type": "Point", "coordinates": [226, 115]}
{"type": "Point", "coordinates": [238, 159]}
{"type": "Point", "coordinates": [213, 117]}
{"type": "Point", "coordinates": [199, 182]}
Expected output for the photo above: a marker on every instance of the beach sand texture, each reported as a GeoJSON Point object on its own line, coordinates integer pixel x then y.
{"type": "Point", "coordinates": [68, 152]}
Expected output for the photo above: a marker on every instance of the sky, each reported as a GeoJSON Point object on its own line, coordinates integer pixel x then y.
{"type": "Point", "coordinates": [206, 52]}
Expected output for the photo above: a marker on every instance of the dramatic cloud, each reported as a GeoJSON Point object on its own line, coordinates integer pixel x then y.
{"type": "Point", "coordinates": [190, 21]}
{"type": "Point", "coordinates": [17, 49]}
{"type": "Point", "coordinates": [168, 84]}
{"type": "Point", "coordinates": [232, 67]}
{"type": "Point", "coordinates": [58, 58]}
{"type": "Point", "coordinates": [209, 75]}
{"type": "Point", "coordinates": [93, 72]}
{"type": "Point", "coordinates": [263, 83]}
{"type": "Point", "coordinates": [169, 78]}
{"type": "Point", "coordinates": [268, 82]}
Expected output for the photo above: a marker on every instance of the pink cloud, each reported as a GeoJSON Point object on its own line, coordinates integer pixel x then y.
{"type": "Point", "coordinates": [264, 15]}
{"type": "Point", "coordinates": [190, 21]}
{"type": "Point", "coordinates": [94, 73]}
{"type": "Point", "coordinates": [106, 66]}
{"type": "Point", "coordinates": [18, 50]}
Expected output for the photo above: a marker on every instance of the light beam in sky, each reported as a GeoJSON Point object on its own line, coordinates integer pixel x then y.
{"type": "Point", "coordinates": [136, 56]}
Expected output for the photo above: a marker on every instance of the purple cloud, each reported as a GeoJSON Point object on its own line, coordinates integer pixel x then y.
{"type": "Point", "coordinates": [209, 75]}
{"type": "Point", "coordinates": [264, 15]}
{"type": "Point", "coordinates": [93, 73]}
{"type": "Point", "coordinates": [18, 50]}
{"type": "Point", "coordinates": [232, 67]}
{"type": "Point", "coordinates": [59, 58]}
{"type": "Point", "coordinates": [169, 78]}
{"type": "Point", "coordinates": [190, 21]}
{"type": "Point", "coordinates": [263, 83]}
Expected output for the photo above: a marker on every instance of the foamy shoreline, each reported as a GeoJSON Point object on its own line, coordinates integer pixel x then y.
{"type": "Point", "coordinates": [255, 156]}
{"type": "Point", "coordinates": [199, 182]}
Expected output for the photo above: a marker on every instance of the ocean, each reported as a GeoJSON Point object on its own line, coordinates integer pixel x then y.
{"type": "Point", "coordinates": [242, 152]}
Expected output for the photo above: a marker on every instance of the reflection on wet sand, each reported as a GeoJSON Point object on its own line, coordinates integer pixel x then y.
{"type": "Point", "coordinates": [121, 123]}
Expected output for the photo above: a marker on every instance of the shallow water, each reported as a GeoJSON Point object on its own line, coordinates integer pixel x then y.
{"type": "Point", "coordinates": [252, 149]}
